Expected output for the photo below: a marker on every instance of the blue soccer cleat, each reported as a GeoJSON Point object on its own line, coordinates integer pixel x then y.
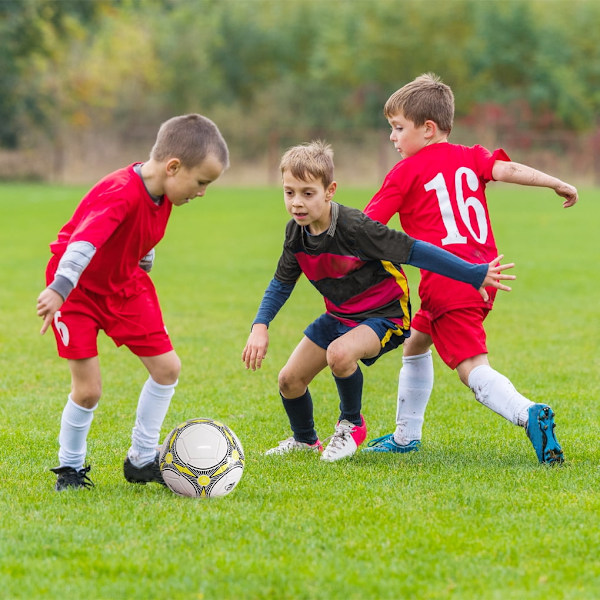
{"type": "Point", "coordinates": [387, 443]}
{"type": "Point", "coordinates": [540, 431]}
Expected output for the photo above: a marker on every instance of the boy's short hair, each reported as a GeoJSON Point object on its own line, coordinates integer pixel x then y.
{"type": "Point", "coordinates": [426, 98]}
{"type": "Point", "coordinates": [190, 138]}
{"type": "Point", "coordinates": [311, 160]}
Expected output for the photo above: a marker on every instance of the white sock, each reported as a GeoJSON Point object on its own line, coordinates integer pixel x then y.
{"type": "Point", "coordinates": [495, 391]}
{"type": "Point", "coordinates": [414, 389]}
{"type": "Point", "coordinates": [152, 408]}
{"type": "Point", "coordinates": [74, 427]}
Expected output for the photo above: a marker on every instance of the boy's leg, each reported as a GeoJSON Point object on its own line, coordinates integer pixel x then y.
{"type": "Point", "coordinates": [78, 413]}
{"type": "Point", "coordinates": [75, 424]}
{"type": "Point", "coordinates": [343, 354]}
{"type": "Point", "coordinates": [460, 340]}
{"type": "Point", "coordinates": [495, 391]}
{"type": "Point", "coordinates": [305, 362]}
{"type": "Point", "coordinates": [350, 393]}
{"type": "Point", "coordinates": [152, 407]}
{"type": "Point", "coordinates": [415, 384]}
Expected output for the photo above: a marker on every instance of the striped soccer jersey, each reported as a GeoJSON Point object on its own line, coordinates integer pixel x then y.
{"type": "Point", "coordinates": [355, 265]}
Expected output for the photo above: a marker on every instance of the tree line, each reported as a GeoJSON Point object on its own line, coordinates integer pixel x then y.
{"type": "Point", "coordinates": [289, 67]}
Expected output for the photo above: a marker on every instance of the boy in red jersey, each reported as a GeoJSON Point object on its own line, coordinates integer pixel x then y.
{"type": "Point", "coordinates": [97, 279]}
{"type": "Point", "coordinates": [438, 191]}
{"type": "Point", "coordinates": [355, 263]}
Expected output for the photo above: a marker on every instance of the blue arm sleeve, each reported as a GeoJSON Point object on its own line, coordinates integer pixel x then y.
{"type": "Point", "coordinates": [431, 258]}
{"type": "Point", "coordinates": [274, 298]}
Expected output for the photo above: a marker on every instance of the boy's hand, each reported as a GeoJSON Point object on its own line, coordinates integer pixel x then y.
{"type": "Point", "coordinates": [48, 303]}
{"type": "Point", "coordinates": [256, 347]}
{"type": "Point", "coordinates": [568, 192]}
{"type": "Point", "coordinates": [494, 275]}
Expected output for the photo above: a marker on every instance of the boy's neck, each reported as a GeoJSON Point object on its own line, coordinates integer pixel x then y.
{"type": "Point", "coordinates": [152, 176]}
{"type": "Point", "coordinates": [317, 228]}
{"type": "Point", "coordinates": [439, 138]}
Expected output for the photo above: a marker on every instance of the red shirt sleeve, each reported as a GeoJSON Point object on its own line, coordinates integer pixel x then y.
{"type": "Point", "coordinates": [386, 202]}
{"type": "Point", "coordinates": [486, 160]}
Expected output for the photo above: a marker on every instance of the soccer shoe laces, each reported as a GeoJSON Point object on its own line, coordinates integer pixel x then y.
{"type": "Point", "coordinates": [70, 477]}
{"type": "Point", "coordinates": [290, 444]}
{"type": "Point", "coordinates": [343, 431]}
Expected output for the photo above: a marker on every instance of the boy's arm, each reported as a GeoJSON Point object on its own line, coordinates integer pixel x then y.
{"type": "Point", "coordinates": [385, 203]}
{"type": "Point", "coordinates": [70, 267]}
{"type": "Point", "coordinates": [273, 299]}
{"type": "Point", "coordinates": [437, 260]}
{"type": "Point", "coordinates": [512, 172]}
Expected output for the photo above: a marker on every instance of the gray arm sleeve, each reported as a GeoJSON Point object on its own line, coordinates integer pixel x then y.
{"type": "Point", "coordinates": [76, 258]}
{"type": "Point", "coordinates": [147, 262]}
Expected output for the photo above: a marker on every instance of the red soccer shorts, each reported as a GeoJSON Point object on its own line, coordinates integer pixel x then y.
{"type": "Point", "coordinates": [457, 334]}
{"type": "Point", "coordinates": [131, 318]}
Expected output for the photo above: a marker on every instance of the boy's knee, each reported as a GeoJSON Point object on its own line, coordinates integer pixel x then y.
{"type": "Point", "coordinates": [283, 381]}
{"type": "Point", "coordinates": [167, 370]}
{"type": "Point", "coordinates": [172, 371]}
{"type": "Point", "coordinates": [338, 360]}
{"type": "Point", "coordinates": [86, 395]}
{"type": "Point", "coordinates": [290, 385]}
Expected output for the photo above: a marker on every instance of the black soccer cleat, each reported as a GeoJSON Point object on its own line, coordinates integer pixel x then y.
{"type": "Point", "coordinates": [148, 473]}
{"type": "Point", "coordinates": [70, 478]}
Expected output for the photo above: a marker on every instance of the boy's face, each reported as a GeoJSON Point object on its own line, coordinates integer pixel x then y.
{"type": "Point", "coordinates": [406, 137]}
{"type": "Point", "coordinates": [182, 184]}
{"type": "Point", "coordinates": [308, 202]}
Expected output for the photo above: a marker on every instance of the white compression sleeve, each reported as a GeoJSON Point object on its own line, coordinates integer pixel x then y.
{"type": "Point", "coordinates": [495, 391]}
{"type": "Point", "coordinates": [414, 389]}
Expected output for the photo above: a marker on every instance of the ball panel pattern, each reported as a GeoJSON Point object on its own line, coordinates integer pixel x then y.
{"type": "Point", "coordinates": [202, 458]}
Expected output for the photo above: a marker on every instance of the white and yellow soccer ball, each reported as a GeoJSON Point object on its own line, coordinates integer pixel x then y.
{"type": "Point", "coordinates": [202, 458]}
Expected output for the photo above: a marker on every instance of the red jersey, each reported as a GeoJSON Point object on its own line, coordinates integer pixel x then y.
{"type": "Point", "coordinates": [120, 219]}
{"type": "Point", "coordinates": [439, 195]}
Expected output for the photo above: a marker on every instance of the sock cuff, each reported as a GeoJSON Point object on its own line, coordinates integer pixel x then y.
{"type": "Point", "coordinates": [357, 374]}
{"type": "Point", "coordinates": [305, 395]}
{"type": "Point", "coordinates": [415, 357]}
{"type": "Point", "coordinates": [161, 386]}
{"type": "Point", "coordinates": [81, 408]}
{"type": "Point", "coordinates": [478, 371]}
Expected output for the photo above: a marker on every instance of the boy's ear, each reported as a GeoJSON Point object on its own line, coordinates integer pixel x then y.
{"type": "Point", "coordinates": [330, 191]}
{"type": "Point", "coordinates": [431, 129]}
{"type": "Point", "coordinates": [173, 165]}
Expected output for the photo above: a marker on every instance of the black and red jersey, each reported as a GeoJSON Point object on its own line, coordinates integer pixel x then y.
{"type": "Point", "coordinates": [355, 265]}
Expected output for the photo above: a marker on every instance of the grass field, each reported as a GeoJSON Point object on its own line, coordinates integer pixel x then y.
{"type": "Point", "coordinates": [471, 516]}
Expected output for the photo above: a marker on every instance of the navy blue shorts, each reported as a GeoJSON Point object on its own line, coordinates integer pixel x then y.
{"type": "Point", "coordinates": [326, 329]}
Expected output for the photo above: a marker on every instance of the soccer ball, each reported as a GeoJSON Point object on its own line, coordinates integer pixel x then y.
{"type": "Point", "coordinates": [202, 458]}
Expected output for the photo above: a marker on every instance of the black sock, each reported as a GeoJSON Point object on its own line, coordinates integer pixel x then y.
{"type": "Point", "coordinates": [300, 413]}
{"type": "Point", "coordinates": [350, 391]}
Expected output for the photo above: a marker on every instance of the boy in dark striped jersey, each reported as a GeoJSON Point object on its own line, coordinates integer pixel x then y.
{"type": "Point", "coordinates": [355, 263]}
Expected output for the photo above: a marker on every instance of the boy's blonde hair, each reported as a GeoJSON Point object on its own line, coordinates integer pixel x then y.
{"type": "Point", "coordinates": [313, 159]}
{"type": "Point", "coordinates": [190, 138]}
{"type": "Point", "coordinates": [426, 98]}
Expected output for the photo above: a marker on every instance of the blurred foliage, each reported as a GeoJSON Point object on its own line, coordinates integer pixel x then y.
{"type": "Point", "coordinates": [289, 67]}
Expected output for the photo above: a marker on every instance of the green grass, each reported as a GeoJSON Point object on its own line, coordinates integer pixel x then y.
{"type": "Point", "coordinates": [471, 516]}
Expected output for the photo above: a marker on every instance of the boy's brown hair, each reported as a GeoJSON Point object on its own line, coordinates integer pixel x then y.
{"type": "Point", "coordinates": [190, 138]}
{"type": "Point", "coordinates": [313, 159]}
{"type": "Point", "coordinates": [426, 98]}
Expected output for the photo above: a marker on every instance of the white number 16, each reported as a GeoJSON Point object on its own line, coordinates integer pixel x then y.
{"type": "Point", "coordinates": [453, 236]}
